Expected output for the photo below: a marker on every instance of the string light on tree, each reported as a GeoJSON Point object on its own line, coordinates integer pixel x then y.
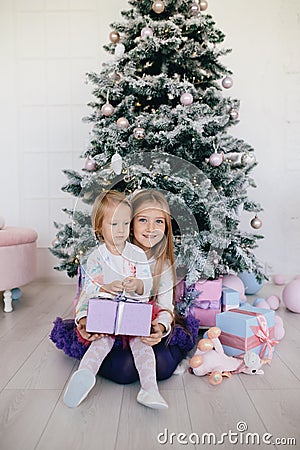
{"type": "Point", "coordinates": [256, 223]}
{"type": "Point", "coordinates": [158, 6]}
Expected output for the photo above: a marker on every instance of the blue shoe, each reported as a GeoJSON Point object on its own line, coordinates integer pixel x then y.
{"type": "Point", "coordinates": [80, 384]}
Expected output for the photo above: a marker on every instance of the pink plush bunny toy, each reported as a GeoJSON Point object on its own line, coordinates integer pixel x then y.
{"type": "Point", "coordinates": [211, 359]}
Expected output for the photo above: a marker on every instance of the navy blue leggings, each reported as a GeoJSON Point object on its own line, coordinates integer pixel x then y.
{"type": "Point", "coordinates": [118, 366]}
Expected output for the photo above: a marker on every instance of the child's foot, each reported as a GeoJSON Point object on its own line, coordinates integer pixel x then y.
{"type": "Point", "coordinates": [80, 384]}
{"type": "Point", "coordinates": [151, 399]}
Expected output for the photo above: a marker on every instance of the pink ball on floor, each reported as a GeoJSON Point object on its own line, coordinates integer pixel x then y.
{"type": "Point", "coordinates": [273, 301]}
{"type": "Point", "coordinates": [291, 296]}
{"type": "Point", "coordinates": [279, 279]}
{"type": "Point", "coordinates": [262, 304]}
{"type": "Point", "coordinates": [278, 321]}
{"type": "Point", "coordinates": [234, 282]}
{"type": "Point", "coordinates": [279, 333]}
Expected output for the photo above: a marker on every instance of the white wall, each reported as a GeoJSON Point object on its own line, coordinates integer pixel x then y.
{"type": "Point", "coordinates": [47, 46]}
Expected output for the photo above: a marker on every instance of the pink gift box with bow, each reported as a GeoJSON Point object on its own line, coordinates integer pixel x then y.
{"type": "Point", "coordinates": [209, 289]}
{"type": "Point", "coordinates": [131, 318]}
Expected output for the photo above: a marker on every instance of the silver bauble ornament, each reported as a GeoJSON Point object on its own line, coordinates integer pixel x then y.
{"type": "Point", "coordinates": [227, 82]}
{"type": "Point", "coordinates": [116, 163]}
{"type": "Point", "coordinates": [123, 123]}
{"type": "Point", "coordinates": [139, 133]}
{"type": "Point", "coordinates": [256, 223]}
{"type": "Point", "coordinates": [248, 158]}
{"type": "Point", "coordinates": [107, 109]}
{"type": "Point", "coordinates": [158, 6]}
{"type": "Point", "coordinates": [146, 32]}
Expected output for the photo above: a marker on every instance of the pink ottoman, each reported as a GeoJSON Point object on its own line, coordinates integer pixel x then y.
{"type": "Point", "coordinates": [17, 260]}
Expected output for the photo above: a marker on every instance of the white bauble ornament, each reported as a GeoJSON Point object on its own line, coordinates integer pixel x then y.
{"type": "Point", "coordinates": [119, 51]}
{"type": "Point", "coordinates": [186, 99]}
{"type": "Point", "coordinates": [107, 109]}
{"type": "Point", "coordinates": [2, 222]}
{"type": "Point", "coordinates": [116, 163]}
{"type": "Point", "coordinates": [123, 123]}
{"type": "Point", "coordinates": [146, 32]}
{"type": "Point", "coordinates": [216, 159]}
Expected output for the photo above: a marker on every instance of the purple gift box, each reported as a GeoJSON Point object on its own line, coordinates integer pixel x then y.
{"type": "Point", "coordinates": [247, 328]}
{"type": "Point", "coordinates": [131, 318]}
{"type": "Point", "coordinates": [206, 312]}
{"type": "Point", "coordinates": [230, 299]}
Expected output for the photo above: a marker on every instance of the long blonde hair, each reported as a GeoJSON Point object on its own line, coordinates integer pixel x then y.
{"type": "Point", "coordinates": [163, 252]}
{"type": "Point", "coordinates": [101, 204]}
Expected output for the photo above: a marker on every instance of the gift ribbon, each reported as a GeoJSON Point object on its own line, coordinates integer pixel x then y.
{"type": "Point", "coordinates": [121, 299]}
{"type": "Point", "coordinates": [207, 304]}
{"type": "Point", "coordinates": [262, 334]}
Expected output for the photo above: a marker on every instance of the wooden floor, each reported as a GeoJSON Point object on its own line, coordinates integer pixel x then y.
{"type": "Point", "coordinates": [33, 375]}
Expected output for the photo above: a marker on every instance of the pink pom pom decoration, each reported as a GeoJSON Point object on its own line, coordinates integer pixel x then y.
{"type": "Point", "coordinates": [291, 296]}
{"type": "Point", "coordinates": [273, 301]}
{"type": "Point", "coordinates": [279, 279]}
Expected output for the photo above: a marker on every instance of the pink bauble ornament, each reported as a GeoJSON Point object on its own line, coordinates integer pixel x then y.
{"type": "Point", "coordinates": [216, 159]}
{"type": "Point", "coordinates": [123, 123]}
{"type": "Point", "coordinates": [194, 9]}
{"type": "Point", "coordinates": [291, 296]}
{"type": "Point", "coordinates": [278, 279]}
{"type": "Point", "coordinates": [227, 82]}
{"type": "Point", "coordinates": [203, 5]}
{"type": "Point", "coordinates": [234, 282]}
{"type": "Point", "coordinates": [273, 301]}
{"type": "Point", "coordinates": [139, 133]}
{"type": "Point", "coordinates": [90, 164]}
{"type": "Point", "coordinates": [158, 6]}
{"type": "Point", "coordinates": [107, 109]}
{"type": "Point", "coordinates": [114, 37]}
{"type": "Point", "coordinates": [234, 114]}
{"type": "Point", "coordinates": [146, 32]}
{"type": "Point", "coordinates": [256, 223]}
{"type": "Point", "coordinates": [186, 99]}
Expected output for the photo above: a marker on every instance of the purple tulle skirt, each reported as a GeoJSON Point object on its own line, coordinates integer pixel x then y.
{"type": "Point", "coordinates": [66, 339]}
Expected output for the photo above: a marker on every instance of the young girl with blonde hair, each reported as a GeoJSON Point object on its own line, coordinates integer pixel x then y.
{"type": "Point", "coordinates": [115, 266]}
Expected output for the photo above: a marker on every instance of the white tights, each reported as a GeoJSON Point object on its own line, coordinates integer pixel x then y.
{"type": "Point", "coordinates": [143, 356]}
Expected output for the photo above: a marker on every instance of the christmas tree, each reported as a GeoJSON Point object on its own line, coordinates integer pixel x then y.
{"type": "Point", "coordinates": [160, 119]}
